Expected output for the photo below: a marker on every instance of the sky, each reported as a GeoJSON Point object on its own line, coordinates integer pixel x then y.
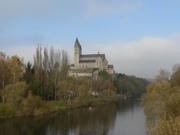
{"type": "Point", "coordinates": [139, 37]}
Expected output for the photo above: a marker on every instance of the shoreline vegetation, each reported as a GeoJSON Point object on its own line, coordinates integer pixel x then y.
{"type": "Point", "coordinates": [45, 87]}
{"type": "Point", "coordinates": [161, 103]}
{"type": "Point", "coordinates": [50, 107]}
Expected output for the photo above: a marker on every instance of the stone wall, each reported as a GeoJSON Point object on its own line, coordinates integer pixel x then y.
{"type": "Point", "coordinates": [88, 65]}
{"type": "Point", "coordinates": [79, 74]}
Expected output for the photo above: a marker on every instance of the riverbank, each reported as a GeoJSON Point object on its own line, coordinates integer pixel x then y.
{"type": "Point", "coordinates": [162, 104]}
{"type": "Point", "coordinates": [122, 117]}
{"type": "Point", "coordinates": [48, 107]}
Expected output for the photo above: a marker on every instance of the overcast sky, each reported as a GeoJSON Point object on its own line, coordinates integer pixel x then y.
{"type": "Point", "coordinates": [138, 36]}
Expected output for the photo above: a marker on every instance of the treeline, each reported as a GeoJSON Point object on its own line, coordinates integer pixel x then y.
{"type": "Point", "coordinates": [130, 86]}
{"type": "Point", "coordinates": [49, 68]}
{"type": "Point", "coordinates": [44, 86]}
{"type": "Point", "coordinates": [162, 103]}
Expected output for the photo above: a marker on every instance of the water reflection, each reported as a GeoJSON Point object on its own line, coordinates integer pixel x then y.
{"type": "Point", "coordinates": [112, 119]}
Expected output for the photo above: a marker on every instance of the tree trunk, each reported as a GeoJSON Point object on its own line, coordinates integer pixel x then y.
{"type": "Point", "coordinates": [3, 98]}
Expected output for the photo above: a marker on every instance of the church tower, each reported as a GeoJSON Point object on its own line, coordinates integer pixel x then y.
{"type": "Point", "coordinates": [77, 53]}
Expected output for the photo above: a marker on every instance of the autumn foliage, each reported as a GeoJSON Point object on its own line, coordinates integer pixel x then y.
{"type": "Point", "coordinates": [162, 104]}
{"type": "Point", "coordinates": [44, 86]}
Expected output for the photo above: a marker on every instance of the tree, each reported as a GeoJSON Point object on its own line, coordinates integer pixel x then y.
{"type": "Point", "coordinates": [5, 74]}
{"type": "Point", "coordinates": [175, 78]}
{"type": "Point", "coordinates": [130, 86]}
{"type": "Point", "coordinates": [64, 65]}
{"type": "Point", "coordinates": [161, 105]}
{"type": "Point", "coordinates": [14, 94]}
{"type": "Point", "coordinates": [16, 67]}
{"type": "Point", "coordinates": [50, 67]}
{"type": "Point", "coordinates": [163, 75]}
{"type": "Point", "coordinates": [104, 75]}
{"type": "Point", "coordinates": [28, 75]}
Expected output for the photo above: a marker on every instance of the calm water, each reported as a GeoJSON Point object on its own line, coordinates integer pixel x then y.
{"type": "Point", "coordinates": [113, 119]}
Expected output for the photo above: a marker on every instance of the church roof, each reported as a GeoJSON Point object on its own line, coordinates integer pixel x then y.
{"type": "Point", "coordinates": [77, 43]}
{"type": "Point", "coordinates": [90, 58]}
{"type": "Point", "coordinates": [87, 61]}
{"type": "Point", "coordinates": [93, 55]}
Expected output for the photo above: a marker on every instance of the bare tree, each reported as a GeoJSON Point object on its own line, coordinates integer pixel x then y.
{"type": "Point", "coordinates": [50, 68]}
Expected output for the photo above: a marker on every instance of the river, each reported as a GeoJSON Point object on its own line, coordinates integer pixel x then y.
{"type": "Point", "coordinates": [123, 118]}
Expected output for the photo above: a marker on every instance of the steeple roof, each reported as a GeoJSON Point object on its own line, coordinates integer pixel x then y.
{"type": "Point", "coordinates": [77, 43]}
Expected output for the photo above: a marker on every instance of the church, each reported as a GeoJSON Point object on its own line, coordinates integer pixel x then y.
{"type": "Point", "coordinates": [88, 65]}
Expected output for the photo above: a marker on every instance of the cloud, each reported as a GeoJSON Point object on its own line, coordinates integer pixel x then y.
{"type": "Point", "coordinates": [22, 16]}
{"type": "Point", "coordinates": [104, 7]}
{"type": "Point", "coordinates": [143, 58]}
{"type": "Point", "coordinates": [146, 56]}
{"type": "Point", "coordinates": [27, 52]}
{"type": "Point", "coordinates": [12, 11]}
{"type": "Point", "coordinates": [15, 9]}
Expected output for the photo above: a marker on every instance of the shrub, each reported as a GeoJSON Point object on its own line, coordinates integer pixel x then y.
{"type": "Point", "coordinates": [6, 111]}
{"type": "Point", "coordinates": [14, 94]}
{"type": "Point", "coordinates": [167, 127]}
{"type": "Point", "coordinates": [32, 103]}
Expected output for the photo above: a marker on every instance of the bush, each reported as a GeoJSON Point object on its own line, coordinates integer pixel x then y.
{"type": "Point", "coordinates": [31, 104]}
{"type": "Point", "coordinates": [130, 86]}
{"type": "Point", "coordinates": [162, 106]}
{"type": "Point", "coordinates": [167, 127]}
{"type": "Point", "coordinates": [6, 111]}
{"type": "Point", "coordinates": [14, 94]}
{"type": "Point", "coordinates": [173, 102]}
{"type": "Point", "coordinates": [60, 105]}
{"type": "Point", "coordinates": [175, 78]}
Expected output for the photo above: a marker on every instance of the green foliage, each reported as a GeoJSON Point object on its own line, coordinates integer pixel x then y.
{"type": "Point", "coordinates": [81, 91]}
{"type": "Point", "coordinates": [103, 75]}
{"type": "Point", "coordinates": [36, 87]}
{"type": "Point", "coordinates": [175, 78]}
{"type": "Point", "coordinates": [66, 90]}
{"type": "Point", "coordinates": [31, 104]}
{"type": "Point", "coordinates": [28, 75]}
{"type": "Point", "coordinates": [44, 86]}
{"type": "Point", "coordinates": [6, 111]}
{"type": "Point", "coordinates": [130, 86]}
{"type": "Point", "coordinates": [49, 68]}
{"type": "Point", "coordinates": [61, 105]}
{"type": "Point", "coordinates": [14, 93]}
{"type": "Point", "coordinates": [5, 75]}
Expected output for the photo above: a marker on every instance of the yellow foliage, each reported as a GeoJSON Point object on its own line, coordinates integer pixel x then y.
{"type": "Point", "coordinates": [162, 107]}
{"type": "Point", "coordinates": [167, 127]}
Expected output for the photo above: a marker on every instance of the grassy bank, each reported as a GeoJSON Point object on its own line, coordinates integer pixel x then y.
{"type": "Point", "coordinates": [47, 107]}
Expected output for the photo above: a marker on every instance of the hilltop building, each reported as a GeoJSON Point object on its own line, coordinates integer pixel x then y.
{"type": "Point", "coordinates": [88, 65]}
